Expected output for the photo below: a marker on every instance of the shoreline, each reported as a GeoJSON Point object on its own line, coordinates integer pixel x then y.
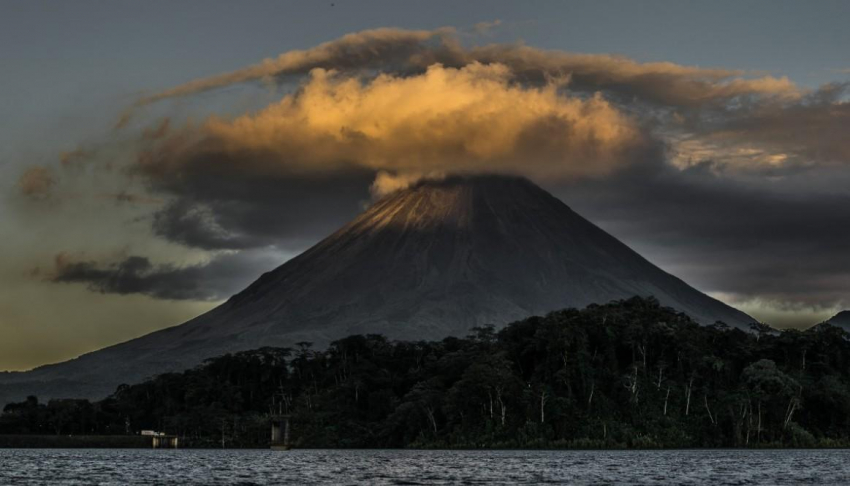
{"type": "Point", "coordinates": [144, 442]}
{"type": "Point", "coordinates": [25, 441]}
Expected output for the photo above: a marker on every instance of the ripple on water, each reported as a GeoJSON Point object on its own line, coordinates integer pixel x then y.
{"type": "Point", "coordinates": [686, 467]}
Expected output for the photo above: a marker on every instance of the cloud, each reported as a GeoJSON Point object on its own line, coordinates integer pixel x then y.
{"type": "Point", "coordinates": [158, 131]}
{"type": "Point", "coordinates": [781, 242]}
{"type": "Point", "coordinates": [221, 276]}
{"type": "Point", "coordinates": [196, 225]}
{"type": "Point", "coordinates": [293, 170]}
{"type": "Point", "coordinates": [467, 119]}
{"type": "Point", "coordinates": [663, 83]}
{"type": "Point", "coordinates": [73, 157]}
{"type": "Point", "coordinates": [810, 131]}
{"type": "Point", "coordinates": [36, 182]}
{"type": "Point", "coordinates": [387, 183]}
{"type": "Point", "coordinates": [217, 205]}
{"type": "Point", "coordinates": [403, 52]}
{"type": "Point", "coordinates": [126, 197]}
{"type": "Point", "coordinates": [375, 48]}
{"type": "Point", "coordinates": [483, 28]}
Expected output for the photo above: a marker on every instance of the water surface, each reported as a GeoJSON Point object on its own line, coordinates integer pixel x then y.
{"type": "Point", "coordinates": [689, 467]}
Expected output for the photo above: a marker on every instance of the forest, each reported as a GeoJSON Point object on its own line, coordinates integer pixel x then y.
{"type": "Point", "coordinates": [628, 374]}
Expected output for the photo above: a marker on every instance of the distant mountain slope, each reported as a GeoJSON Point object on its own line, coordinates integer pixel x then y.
{"type": "Point", "coordinates": [842, 319]}
{"type": "Point", "coordinates": [427, 262]}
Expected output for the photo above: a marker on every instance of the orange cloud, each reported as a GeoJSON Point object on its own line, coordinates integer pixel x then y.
{"type": "Point", "coordinates": [36, 182]}
{"type": "Point", "coordinates": [386, 183]}
{"type": "Point", "coordinates": [472, 119]}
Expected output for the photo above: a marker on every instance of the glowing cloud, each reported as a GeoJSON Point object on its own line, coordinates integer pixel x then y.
{"type": "Point", "coordinates": [387, 183]}
{"type": "Point", "coordinates": [472, 119]}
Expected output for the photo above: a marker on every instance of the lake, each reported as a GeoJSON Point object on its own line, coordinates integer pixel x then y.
{"type": "Point", "coordinates": [698, 467]}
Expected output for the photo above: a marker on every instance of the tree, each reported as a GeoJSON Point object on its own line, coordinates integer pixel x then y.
{"type": "Point", "coordinates": [771, 388]}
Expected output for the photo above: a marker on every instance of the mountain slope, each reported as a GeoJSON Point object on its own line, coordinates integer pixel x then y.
{"type": "Point", "coordinates": [842, 319]}
{"type": "Point", "coordinates": [427, 262]}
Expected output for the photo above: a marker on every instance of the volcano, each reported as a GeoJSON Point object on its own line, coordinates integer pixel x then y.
{"type": "Point", "coordinates": [426, 262]}
{"type": "Point", "coordinates": [842, 319]}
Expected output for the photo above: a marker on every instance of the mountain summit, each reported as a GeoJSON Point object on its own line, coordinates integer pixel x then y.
{"type": "Point", "coordinates": [426, 262]}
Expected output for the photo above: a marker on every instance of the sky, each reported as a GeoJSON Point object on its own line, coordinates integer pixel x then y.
{"type": "Point", "coordinates": [157, 157]}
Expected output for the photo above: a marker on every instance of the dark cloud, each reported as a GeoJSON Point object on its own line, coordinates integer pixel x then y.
{"type": "Point", "coordinates": [781, 241]}
{"type": "Point", "coordinates": [222, 276]}
{"type": "Point", "coordinates": [813, 130]}
{"type": "Point", "coordinates": [219, 206]}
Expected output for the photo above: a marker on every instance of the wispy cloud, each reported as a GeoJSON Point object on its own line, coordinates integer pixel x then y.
{"type": "Point", "coordinates": [37, 182]}
{"type": "Point", "coordinates": [215, 279]}
{"type": "Point", "coordinates": [399, 52]}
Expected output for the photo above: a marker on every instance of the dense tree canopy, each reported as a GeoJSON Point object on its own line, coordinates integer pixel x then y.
{"type": "Point", "coordinates": [625, 374]}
